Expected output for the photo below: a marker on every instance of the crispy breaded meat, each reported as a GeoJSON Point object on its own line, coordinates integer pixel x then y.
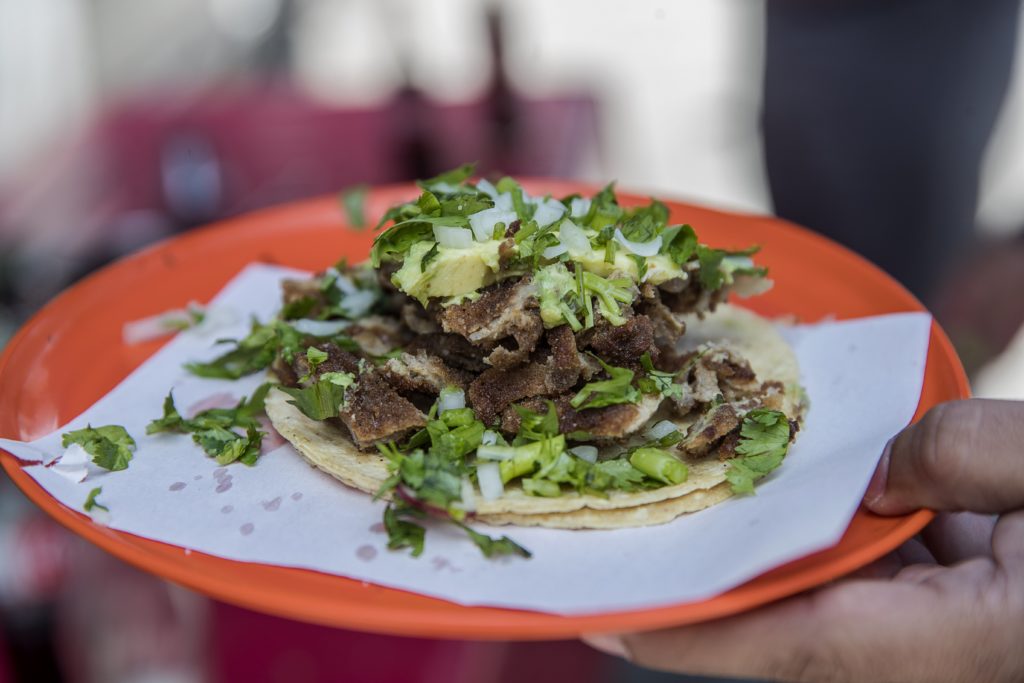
{"type": "Point", "coordinates": [602, 424]}
{"type": "Point", "coordinates": [504, 321]}
{"type": "Point", "coordinates": [375, 412]}
{"type": "Point", "coordinates": [378, 334]}
{"type": "Point", "coordinates": [423, 373]}
{"type": "Point", "coordinates": [453, 349]}
{"type": "Point", "coordinates": [621, 345]}
{"type": "Point", "coordinates": [497, 388]}
{"type": "Point", "coordinates": [710, 429]}
{"type": "Point", "coordinates": [713, 373]}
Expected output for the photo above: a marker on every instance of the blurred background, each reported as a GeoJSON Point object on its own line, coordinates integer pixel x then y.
{"type": "Point", "coordinates": [896, 127]}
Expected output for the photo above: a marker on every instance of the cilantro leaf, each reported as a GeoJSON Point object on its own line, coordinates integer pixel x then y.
{"type": "Point", "coordinates": [711, 276]}
{"type": "Point", "coordinates": [680, 243]}
{"type": "Point", "coordinates": [259, 349]}
{"type": "Point", "coordinates": [91, 503]}
{"type": "Point", "coordinates": [171, 420]}
{"type": "Point", "coordinates": [658, 382]}
{"type": "Point", "coordinates": [604, 210]}
{"type": "Point", "coordinates": [536, 427]}
{"type": "Point", "coordinates": [251, 354]}
{"type": "Point", "coordinates": [110, 446]}
{"type": "Point", "coordinates": [353, 200]}
{"type": "Point", "coordinates": [492, 547]}
{"type": "Point", "coordinates": [764, 441]}
{"type": "Point", "coordinates": [397, 239]}
{"type": "Point", "coordinates": [401, 532]}
{"type": "Point", "coordinates": [213, 429]}
{"type": "Point", "coordinates": [618, 388]}
{"type": "Point", "coordinates": [646, 222]}
{"type": "Point", "coordinates": [314, 358]}
{"type": "Point", "coordinates": [322, 400]}
{"type": "Point", "coordinates": [455, 176]}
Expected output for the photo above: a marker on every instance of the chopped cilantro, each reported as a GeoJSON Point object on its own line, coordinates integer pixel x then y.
{"type": "Point", "coordinates": [323, 399]}
{"type": "Point", "coordinates": [214, 429]}
{"type": "Point", "coordinates": [110, 446]}
{"type": "Point", "coordinates": [618, 388]}
{"type": "Point", "coordinates": [456, 176]}
{"type": "Point", "coordinates": [658, 382]}
{"type": "Point", "coordinates": [91, 502]}
{"type": "Point", "coordinates": [314, 358]}
{"type": "Point", "coordinates": [401, 532]}
{"type": "Point", "coordinates": [492, 547]}
{"type": "Point", "coordinates": [353, 200]}
{"type": "Point", "coordinates": [259, 349]}
{"type": "Point", "coordinates": [680, 243]}
{"type": "Point", "coordinates": [764, 441]}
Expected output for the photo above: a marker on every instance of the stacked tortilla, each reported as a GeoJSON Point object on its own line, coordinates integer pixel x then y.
{"type": "Point", "coordinates": [727, 361]}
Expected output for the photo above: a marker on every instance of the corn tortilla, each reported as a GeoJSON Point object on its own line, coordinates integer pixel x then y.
{"type": "Point", "coordinates": [326, 447]}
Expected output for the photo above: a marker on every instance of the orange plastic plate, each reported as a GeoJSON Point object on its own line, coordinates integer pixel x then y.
{"type": "Point", "coordinates": [71, 353]}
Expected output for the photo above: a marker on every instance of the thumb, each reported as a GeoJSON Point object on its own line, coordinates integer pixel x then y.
{"type": "Point", "coordinates": [962, 455]}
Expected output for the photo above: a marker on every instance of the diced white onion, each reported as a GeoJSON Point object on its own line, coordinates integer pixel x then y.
{"type": "Point", "coordinates": [573, 237]}
{"type": "Point", "coordinates": [487, 188]}
{"type": "Point", "coordinates": [503, 202]}
{"type": "Point", "coordinates": [548, 211]}
{"type": "Point", "coordinates": [453, 238]}
{"type": "Point", "coordinates": [751, 285]}
{"type": "Point", "coordinates": [451, 399]}
{"type": "Point", "coordinates": [639, 248]}
{"type": "Point", "coordinates": [555, 251]}
{"type": "Point", "coordinates": [489, 477]}
{"type": "Point", "coordinates": [731, 263]}
{"type": "Point", "coordinates": [468, 495]}
{"type": "Point", "coordinates": [156, 326]}
{"type": "Point", "coordinates": [358, 303]}
{"type": "Point", "coordinates": [345, 284]}
{"type": "Point", "coordinates": [579, 207]}
{"type": "Point", "coordinates": [73, 464]}
{"type": "Point", "coordinates": [446, 188]}
{"type": "Point", "coordinates": [588, 453]}
{"type": "Point", "coordinates": [319, 328]}
{"type": "Point", "coordinates": [489, 438]}
{"type": "Point", "coordinates": [660, 430]}
{"type": "Point", "coordinates": [483, 222]}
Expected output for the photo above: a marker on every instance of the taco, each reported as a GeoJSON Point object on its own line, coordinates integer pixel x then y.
{"type": "Point", "coordinates": [525, 360]}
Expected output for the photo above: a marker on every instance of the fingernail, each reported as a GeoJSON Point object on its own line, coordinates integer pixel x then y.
{"type": "Point", "coordinates": [608, 643]}
{"type": "Point", "coordinates": [876, 487]}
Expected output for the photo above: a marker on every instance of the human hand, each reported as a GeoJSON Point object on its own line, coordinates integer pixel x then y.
{"type": "Point", "coordinates": [947, 607]}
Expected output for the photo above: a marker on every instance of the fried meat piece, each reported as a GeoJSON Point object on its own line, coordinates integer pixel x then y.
{"type": "Point", "coordinates": [423, 373]}
{"type": "Point", "coordinates": [667, 326]}
{"type": "Point", "coordinates": [621, 345]}
{"type": "Point", "coordinates": [715, 372]}
{"type": "Point", "coordinates": [378, 334]}
{"type": "Point", "coordinates": [710, 430]}
{"type": "Point", "coordinates": [603, 424]}
{"type": "Point", "coordinates": [497, 388]}
{"type": "Point", "coordinates": [504, 314]}
{"type": "Point", "coordinates": [454, 350]}
{"type": "Point", "coordinates": [375, 412]}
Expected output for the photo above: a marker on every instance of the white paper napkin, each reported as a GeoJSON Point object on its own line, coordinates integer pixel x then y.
{"type": "Point", "coordinates": [863, 376]}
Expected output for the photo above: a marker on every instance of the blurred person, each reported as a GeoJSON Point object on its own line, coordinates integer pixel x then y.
{"type": "Point", "coordinates": [876, 118]}
{"type": "Point", "coordinates": [947, 607]}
